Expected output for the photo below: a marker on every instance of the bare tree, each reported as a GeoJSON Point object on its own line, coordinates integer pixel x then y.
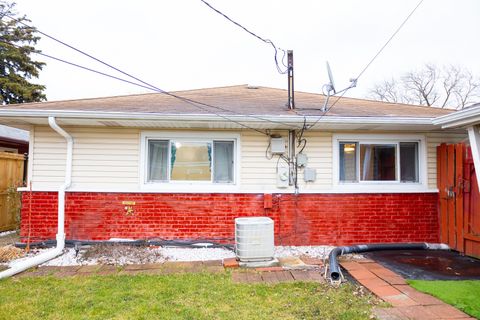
{"type": "Point", "coordinates": [444, 87]}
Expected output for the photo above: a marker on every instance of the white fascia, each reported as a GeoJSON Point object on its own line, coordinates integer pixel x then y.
{"type": "Point", "coordinates": [460, 118]}
{"type": "Point", "coordinates": [285, 119]}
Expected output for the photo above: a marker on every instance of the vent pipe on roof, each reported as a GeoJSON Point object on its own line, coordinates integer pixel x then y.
{"type": "Point", "coordinates": [58, 250]}
{"type": "Point", "coordinates": [291, 97]}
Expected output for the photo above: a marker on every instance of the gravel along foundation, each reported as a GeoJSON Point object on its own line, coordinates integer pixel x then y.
{"type": "Point", "coordinates": [121, 254]}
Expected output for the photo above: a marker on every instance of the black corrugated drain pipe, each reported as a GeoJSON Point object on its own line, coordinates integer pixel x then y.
{"type": "Point", "coordinates": [338, 251]}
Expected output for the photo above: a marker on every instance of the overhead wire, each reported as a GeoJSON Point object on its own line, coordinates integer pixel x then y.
{"type": "Point", "coordinates": [268, 41]}
{"type": "Point", "coordinates": [145, 85]}
{"type": "Point", "coordinates": [140, 85]}
{"type": "Point", "coordinates": [371, 60]}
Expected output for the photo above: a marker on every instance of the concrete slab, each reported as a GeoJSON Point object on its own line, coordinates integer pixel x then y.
{"type": "Point", "coordinates": [292, 263]}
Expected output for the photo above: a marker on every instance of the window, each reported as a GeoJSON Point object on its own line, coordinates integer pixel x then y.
{"type": "Point", "coordinates": [190, 160]}
{"type": "Point", "coordinates": [376, 161]}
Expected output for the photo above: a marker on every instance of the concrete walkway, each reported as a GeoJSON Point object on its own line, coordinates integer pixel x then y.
{"type": "Point", "coordinates": [407, 302]}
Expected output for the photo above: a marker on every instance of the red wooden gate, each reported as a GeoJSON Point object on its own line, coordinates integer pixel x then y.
{"type": "Point", "coordinates": [459, 199]}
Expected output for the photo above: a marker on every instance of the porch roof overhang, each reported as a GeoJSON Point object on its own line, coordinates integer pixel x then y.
{"type": "Point", "coordinates": [460, 119]}
{"type": "Point", "coordinates": [468, 118]}
{"type": "Point", "coordinates": [24, 118]}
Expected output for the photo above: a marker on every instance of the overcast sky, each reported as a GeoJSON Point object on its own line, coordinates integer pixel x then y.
{"type": "Point", "coordinates": [178, 45]}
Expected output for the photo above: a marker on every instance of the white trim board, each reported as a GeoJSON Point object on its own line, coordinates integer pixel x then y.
{"type": "Point", "coordinates": [252, 191]}
{"type": "Point", "coordinates": [188, 186]}
{"type": "Point", "coordinates": [374, 186]}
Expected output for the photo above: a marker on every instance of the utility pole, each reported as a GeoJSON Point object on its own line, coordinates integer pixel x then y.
{"type": "Point", "coordinates": [291, 98]}
{"type": "Point", "coordinates": [291, 133]}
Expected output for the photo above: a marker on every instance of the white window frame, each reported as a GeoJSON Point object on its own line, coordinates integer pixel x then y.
{"type": "Point", "coordinates": [188, 186]}
{"type": "Point", "coordinates": [380, 186]}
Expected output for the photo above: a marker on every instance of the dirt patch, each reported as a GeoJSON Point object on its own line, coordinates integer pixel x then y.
{"type": "Point", "coordinates": [117, 254]}
{"type": "Point", "coordinates": [9, 239]}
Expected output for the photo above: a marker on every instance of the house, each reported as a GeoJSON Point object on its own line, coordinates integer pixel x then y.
{"type": "Point", "coordinates": [13, 140]}
{"type": "Point", "coordinates": [184, 165]}
{"type": "Point", "coordinates": [13, 147]}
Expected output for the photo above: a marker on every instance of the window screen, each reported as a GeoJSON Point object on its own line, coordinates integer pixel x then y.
{"type": "Point", "coordinates": [157, 160]}
{"type": "Point", "coordinates": [223, 161]}
{"type": "Point", "coordinates": [348, 161]}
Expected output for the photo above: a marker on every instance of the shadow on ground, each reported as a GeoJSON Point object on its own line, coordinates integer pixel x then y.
{"type": "Point", "coordinates": [429, 264]}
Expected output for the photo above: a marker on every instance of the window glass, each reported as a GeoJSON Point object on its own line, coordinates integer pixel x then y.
{"type": "Point", "coordinates": [157, 160]}
{"type": "Point", "coordinates": [409, 161]}
{"type": "Point", "coordinates": [223, 161]}
{"type": "Point", "coordinates": [378, 162]}
{"type": "Point", "coordinates": [348, 161]}
{"type": "Point", "coordinates": [190, 161]}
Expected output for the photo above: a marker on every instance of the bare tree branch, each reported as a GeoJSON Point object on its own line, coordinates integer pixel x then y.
{"type": "Point", "coordinates": [446, 87]}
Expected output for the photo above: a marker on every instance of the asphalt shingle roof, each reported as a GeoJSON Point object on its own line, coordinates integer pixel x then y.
{"type": "Point", "coordinates": [240, 99]}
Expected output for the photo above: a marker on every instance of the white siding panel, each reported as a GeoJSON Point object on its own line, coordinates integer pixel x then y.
{"type": "Point", "coordinates": [102, 157]}
{"type": "Point", "coordinates": [434, 139]}
{"type": "Point", "coordinates": [259, 173]}
{"type": "Point", "coordinates": [319, 153]}
{"type": "Point", "coordinates": [108, 158]}
{"type": "Point", "coordinates": [256, 171]}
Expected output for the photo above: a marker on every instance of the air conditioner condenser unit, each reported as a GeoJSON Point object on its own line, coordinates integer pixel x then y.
{"type": "Point", "coordinates": [254, 239]}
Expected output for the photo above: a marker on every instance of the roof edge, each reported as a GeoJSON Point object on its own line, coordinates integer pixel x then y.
{"type": "Point", "coordinates": [293, 119]}
{"type": "Point", "coordinates": [461, 118]}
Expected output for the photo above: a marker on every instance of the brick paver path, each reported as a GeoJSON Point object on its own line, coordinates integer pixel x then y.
{"type": "Point", "coordinates": [260, 275]}
{"type": "Point", "coordinates": [253, 276]}
{"type": "Point", "coordinates": [149, 268]}
{"type": "Point", "coordinates": [407, 302]}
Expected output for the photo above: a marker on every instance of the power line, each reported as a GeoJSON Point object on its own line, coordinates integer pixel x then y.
{"type": "Point", "coordinates": [186, 100]}
{"type": "Point", "coordinates": [390, 39]}
{"type": "Point", "coordinates": [145, 85]}
{"type": "Point", "coordinates": [268, 41]}
{"type": "Point", "coordinates": [80, 66]}
{"type": "Point", "coordinates": [374, 58]}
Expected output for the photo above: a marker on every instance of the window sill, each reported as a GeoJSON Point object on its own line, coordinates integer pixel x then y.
{"type": "Point", "coordinates": [380, 187]}
{"type": "Point", "coordinates": [189, 187]}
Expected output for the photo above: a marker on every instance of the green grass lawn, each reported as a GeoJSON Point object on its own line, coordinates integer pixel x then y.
{"type": "Point", "coordinates": [181, 296]}
{"type": "Point", "coordinates": [464, 295]}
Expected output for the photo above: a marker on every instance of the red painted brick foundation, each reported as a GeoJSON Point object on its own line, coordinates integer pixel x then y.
{"type": "Point", "coordinates": [309, 219]}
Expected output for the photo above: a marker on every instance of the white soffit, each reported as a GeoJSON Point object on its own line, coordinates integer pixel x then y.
{"type": "Point", "coordinates": [24, 118]}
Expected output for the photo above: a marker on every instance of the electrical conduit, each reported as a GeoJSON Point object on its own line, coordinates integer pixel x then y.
{"type": "Point", "coordinates": [48, 255]}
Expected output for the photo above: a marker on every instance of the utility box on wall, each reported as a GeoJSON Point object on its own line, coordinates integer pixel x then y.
{"type": "Point", "coordinates": [282, 177]}
{"type": "Point", "coordinates": [309, 174]}
{"type": "Point", "coordinates": [277, 145]}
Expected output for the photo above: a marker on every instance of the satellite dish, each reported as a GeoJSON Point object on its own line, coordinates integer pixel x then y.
{"type": "Point", "coordinates": [330, 77]}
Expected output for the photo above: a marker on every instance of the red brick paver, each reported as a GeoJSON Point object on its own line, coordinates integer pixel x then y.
{"type": "Point", "coordinates": [407, 302]}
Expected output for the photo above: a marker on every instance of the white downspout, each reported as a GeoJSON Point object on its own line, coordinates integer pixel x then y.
{"type": "Point", "coordinates": [48, 255]}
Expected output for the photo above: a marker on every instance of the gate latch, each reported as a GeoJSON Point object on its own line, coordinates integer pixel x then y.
{"type": "Point", "coordinates": [450, 193]}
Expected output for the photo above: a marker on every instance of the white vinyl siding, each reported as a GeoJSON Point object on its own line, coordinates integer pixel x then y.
{"type": "Point", "coordinates": [434, 139]}
{"type": "Point", "coordinates": [108, 159]}
{"type": "Point", "coordinates": [319, 153]}
{"type": "Point", "coordinates": [257, 172]}
{"type": "Point", "coordinates": [102, 158]}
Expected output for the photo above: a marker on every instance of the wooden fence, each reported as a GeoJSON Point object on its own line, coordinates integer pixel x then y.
{"type": "Point", "coordinates": [11, 176]}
